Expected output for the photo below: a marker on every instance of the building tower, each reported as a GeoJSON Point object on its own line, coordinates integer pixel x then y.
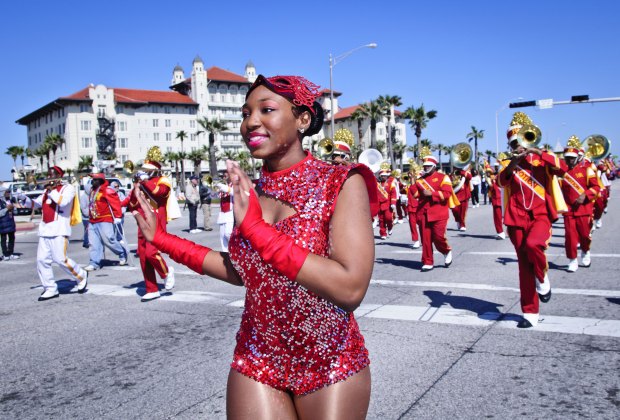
{"type": "Point", "coordinates": [177, 75]}
{"type": "Point", "coordinates": [250, 72]}
{"type": "Point", "coordinates": [199, 86]}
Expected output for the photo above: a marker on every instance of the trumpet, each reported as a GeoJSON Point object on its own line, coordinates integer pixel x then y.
{"type": "Point", "coordinates": [48, 182]}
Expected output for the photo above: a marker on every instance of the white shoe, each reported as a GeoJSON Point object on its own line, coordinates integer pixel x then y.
{"type": "Point", "coordinates": [598, 223]}
{"type": "Point", "coordinates": [447, 259]}
{"type": "Point", "coordinates": [573, 265]}
{"type": "Point", "coordinates": [390, 231]}
{"type": "Point", "coordinates": [531, 318]}
{"type": "Point", "coordinates": [90, 267]}
{"type": "Point", "coordinates": [544, 289]}
{"type": "Point", "coordinates": [13, 257]}
{"type": "Point", "coordinates": [416, 245]}
{"type": "Point", "coordinates": [122, 262]}
{"type": "Point", "coordinates": [49, 294]}
{"type": "Point", "coordinates": [195, 231]}
{"type": "Point", "coordinates": [426, 268]}
{"type": "Point", "coordinates": [463, 229]}
{"type": "Point", "coordinates": [169, 280]}
{"type": "Point", "coordinates": [150, 296]}
{"type": "Point", "coordinates": [375, 224]}
{"type": "Point", "coordinates": [400, 221]}
{"type": "Point", "coordinates": [501, 235]}
{"type": "Point", "coordinates": [81, 286]}
{"type": "Point", "coordinates": [585, 259]}
{"type": "Point", "coordinates": [384, 237]}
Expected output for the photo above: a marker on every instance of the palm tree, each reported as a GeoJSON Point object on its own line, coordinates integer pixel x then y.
{"type": "Point", "coordinates": [27, 153]}
{"type": "Point", "coordinates": [246, 162]}
{"type": "Point", "coordinates": [373, 111]}
{"type": "Point", "coordinates": [388, 103]}
{"type": "Point", "coordinates": [173, 158]}
{"type": "Point", "coordinates": [85, 163]}
{"type": "Point", "coordinates": [55, 141]}
{"type": "Point", "coordinates": [197, 156]}
{"type": "Point", "coordinates": [359, 117]}
{"type": "Point", "coordinates": [440, 148]}
{"type": "Point", "coordinates": [212, 127]}
{"type": "Point", "coordinates": [14, 151]}
{"type": "Point", "coordinates": [46, 149]}
{"type": "Point", "coordinates": [182, 135]}
{"type": "Point", "coordinates": [380, 146]}
{"type": "Point", "coordinates": [475, 135]}
{"type": "Point", "coordinates": [449, 151]}
{"type": "Point", "coordinates": [547, 147]}
{"type": "Point", "coordinates": [418, 120]}
{"type": "Point", "coordinates": [399, 150]}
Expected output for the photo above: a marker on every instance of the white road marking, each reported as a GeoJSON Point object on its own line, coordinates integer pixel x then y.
{"type": "Point", "coordinates": [479, 286]}
{"type": "Point", "coordinates": [439, 315]}
{"type": "Point", "coordinates": [509, 253]}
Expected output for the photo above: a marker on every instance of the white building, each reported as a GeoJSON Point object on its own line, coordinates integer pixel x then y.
{"type": "Point", "coordinates": [144, 118]}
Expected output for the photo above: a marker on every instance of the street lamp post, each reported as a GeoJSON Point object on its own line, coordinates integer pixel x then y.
{"type": "Point", "coordinates": [332, 62]}
{"type": "Point", "coordinates": [497, 123]}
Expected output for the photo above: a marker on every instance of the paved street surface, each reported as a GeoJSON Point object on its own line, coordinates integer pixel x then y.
{"type": "Point", "coordinates": [443, 344]}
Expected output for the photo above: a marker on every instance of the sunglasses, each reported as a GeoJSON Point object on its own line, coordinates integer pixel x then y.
{"type": "Point", "coordinates": [340, 155]}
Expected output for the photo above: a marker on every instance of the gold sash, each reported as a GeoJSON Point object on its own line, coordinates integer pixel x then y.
{"type": "Point", "coordinates": [530, 182]}
{"type": "Point", "coordinates": [573, 183]}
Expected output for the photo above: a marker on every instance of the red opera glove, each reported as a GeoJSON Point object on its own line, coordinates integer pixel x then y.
{"type": "Point", "coordinates": [276, 248]}
{"type": "Point", "coordinates": [181, 250]}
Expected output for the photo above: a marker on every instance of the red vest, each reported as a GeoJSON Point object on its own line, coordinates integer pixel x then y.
{"type": "Point", "coordinates": [50, 208]}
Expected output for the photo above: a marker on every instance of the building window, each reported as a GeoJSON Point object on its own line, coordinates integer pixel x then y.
{"type": "Point", "coordinates": [167, 123]}
{"type": "Point", "coordinates": [168, 136]}
{"type": "Point", "coordinates": [192, 124]}
{"type": "Point", "coordinates": [123, 158]}
{"type": "Point", "coordinates": [155, 109]}
{"type": "Point", "coordinates": [155, 122]}
{"type": "Point", "coordinates": [168, 149]}
{"type": "Point", "coordinates": [192, 137]}
{"type": "Point", "coordinates": [83, 108]}
{"type": "Point", "coordinates": [167, 109]}
{"type": "Point", "coordinates": [156, 136]}
{"type": "Point", "coordinates": [85, 125]}
{"type": "Point", "coordinates": [87, 142]}
{"type": "Point", "coordinates": [101, 111]}
{"type": "Point", "coordinates": [122, 142]}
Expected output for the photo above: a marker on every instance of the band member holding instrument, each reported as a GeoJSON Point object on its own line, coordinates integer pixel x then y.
{"type": "Point", "coordinates": [435, 195]}
{"type": "Point", "coordinates": [387, 203]}
{"type": "Point", "coordinates": [412, 206]}
{"type": "Point", "coordinates": [495, 196]}
{"type": "Point", "coordinates": [343, 140]}
{"type": "Point", "coordinates": [533, 200]}
{"type": "Point", "coordinates": [580, 187]}
{"type": "Point", "coordinates": [57, 208]}
{"type": "Point", "coordinates": [157, 189]}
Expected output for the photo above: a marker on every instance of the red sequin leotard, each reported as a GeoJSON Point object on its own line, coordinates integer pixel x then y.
{"type": "Point", "coordinates": [290, 338]}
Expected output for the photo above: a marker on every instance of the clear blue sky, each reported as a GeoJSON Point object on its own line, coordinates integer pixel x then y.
{"type": "Point", "coordinates": [465, 59]}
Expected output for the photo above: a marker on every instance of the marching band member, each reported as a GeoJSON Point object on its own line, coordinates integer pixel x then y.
{"type": "Point", "coordinates": [580, 187]}
{"type": "Point", "coordinates": [343, 140]}
{"type": "Point", "coordinates": [226, 218]}
{"type": "Point", "coordinates": [533, 201]}
{"type": "Point", "coordinates": [434, 193]}
{"type": "Point", "coordinates": [157, 189]}
{"type": "Point", "coordinates": [601, 201]}
{"type": "Point", "coordinates": [462, 189]}
{"type": "Point", "coordinates": [387, 203]}
{"type": "Point", "coordinates": [412, 206]}
{"type": "Point", "coordinates": [401, 197]}
{"type": "Point", "coordinates": [495, 194]}
{"type": "Point", "coordinates": [58, 206]}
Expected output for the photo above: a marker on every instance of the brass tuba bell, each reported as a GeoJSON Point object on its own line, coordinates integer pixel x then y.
{"type": "Point", "coordinates": [461, 155]}
{"type": "Point", "coordinates": [529, 136]}
{"type": "Point", "coordinates": [128, 168]}
{"type": "Point", "coordinates": [325, 148]}
{"type": "Point", "coordinates": [598, 147]}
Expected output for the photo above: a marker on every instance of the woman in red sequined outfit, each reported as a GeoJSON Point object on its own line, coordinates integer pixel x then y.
{"type": "Point", "coordinates": [303, 248]}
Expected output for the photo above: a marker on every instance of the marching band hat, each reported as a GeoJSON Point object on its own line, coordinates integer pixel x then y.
{"type": "Point", "coordinates": [58, 170]}
{"type": "Point", "coordinates": [193, 177]}
{"type": "Point", "coordinates": [519, 119]}
{"type": "Point", "coordinates": [384, 172]}
{"type": "Point", "coordinates": [429, 160]}
{"type": "Point", "coordinates": [97, 175]}
{"type": "Point", "coordinates": [342, 147]}
{"type": "Point", "coordinates": [571, 152]}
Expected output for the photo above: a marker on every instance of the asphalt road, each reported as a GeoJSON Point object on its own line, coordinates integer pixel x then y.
{"type": "Point", "coordinates": [443, 344]}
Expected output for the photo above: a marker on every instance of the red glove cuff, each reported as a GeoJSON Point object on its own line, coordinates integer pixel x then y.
{"type": "Point", "coordinates": [184, 252]}
{"type": "Point", "coordinates": [276, 248]}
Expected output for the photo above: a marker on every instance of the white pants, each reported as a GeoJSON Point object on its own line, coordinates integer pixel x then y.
{"type": "Point", "coordinates": [54, 250]}
{"type": "Point", "coordinates": [225, 232]}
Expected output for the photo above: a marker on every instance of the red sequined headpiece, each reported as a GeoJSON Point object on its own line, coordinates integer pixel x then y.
{"type": "Point", "coordinates": [296, 89]}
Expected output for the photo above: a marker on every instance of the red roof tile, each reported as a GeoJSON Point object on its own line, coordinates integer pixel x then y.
{"type": "Point", "coordinates": [325, 92]}
{"type": "Point", "coordinates": [221, 75]}
{"type": "Point", "coordinates": [138, 96]}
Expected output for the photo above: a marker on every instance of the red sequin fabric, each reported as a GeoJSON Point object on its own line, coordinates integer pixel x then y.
{"type": "Point", "coordinates": [290, 338]}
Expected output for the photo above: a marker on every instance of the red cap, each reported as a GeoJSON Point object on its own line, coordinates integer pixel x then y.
{"type": "Point", "coordinates": [58, 170]}
{"type": "Point", "coordinates": [430, 160]}
{"type": "Point", "coordinates": [98, 175]}
{"type": "Point", "coordinates": [151, 165]}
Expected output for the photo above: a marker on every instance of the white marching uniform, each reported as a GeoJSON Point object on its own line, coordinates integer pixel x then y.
{"type": "Point", "coordinates": [225, 219]}
{"type": "Point", "coordinates": [54, 233]}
